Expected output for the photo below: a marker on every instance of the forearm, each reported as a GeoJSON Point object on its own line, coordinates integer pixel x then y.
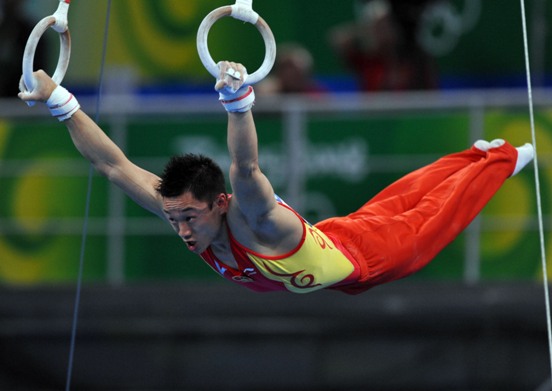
{"type": "Point", "coordinates": [242, 140]}
{"type": "Point", "coordinates": [93, 143]}
{"type": "Point", "coordinates": [108, 159]}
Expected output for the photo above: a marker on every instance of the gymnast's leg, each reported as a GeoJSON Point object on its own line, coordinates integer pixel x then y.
{"type": "Point", "coordinates": [407, 191]}
{"type": "Point", "coordinates": [402, 228]}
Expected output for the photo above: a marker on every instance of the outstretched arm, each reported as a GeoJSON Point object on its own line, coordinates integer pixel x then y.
{"type": "Point", "coordinates": [106, 157]}
{"type": "Point", "coordinates": [254, 192]}
{"type": "Point", "coordinates": [276, 227]}
{"type": "Point", "coordinates": [251, 189]}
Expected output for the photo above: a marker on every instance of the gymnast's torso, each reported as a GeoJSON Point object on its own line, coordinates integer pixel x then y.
{"type": "Point", "coordinates": [317, 262]}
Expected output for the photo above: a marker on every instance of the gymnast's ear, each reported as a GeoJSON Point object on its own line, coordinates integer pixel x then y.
{"type": "Point", "coordinates": [221, 202]}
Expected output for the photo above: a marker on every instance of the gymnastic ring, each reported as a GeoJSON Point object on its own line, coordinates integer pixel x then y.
{"type": "Point", "coordinates": [30, 49]}
{"type": "Point", "coordinates": [262, 26]}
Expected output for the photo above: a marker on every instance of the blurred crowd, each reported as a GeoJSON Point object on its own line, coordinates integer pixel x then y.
{"type": "Point", "coordinates": [379, 48]}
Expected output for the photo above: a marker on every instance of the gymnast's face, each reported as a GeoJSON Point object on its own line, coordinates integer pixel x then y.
{"type": "Point", "coordinates": [198, 223]}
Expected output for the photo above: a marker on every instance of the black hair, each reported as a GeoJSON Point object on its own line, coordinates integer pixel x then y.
{"type": "Point", "coordinates": [198, 174]}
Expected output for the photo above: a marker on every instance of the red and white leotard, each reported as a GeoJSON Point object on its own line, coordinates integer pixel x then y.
{"type": "Point", "coordinates": [317, 262]}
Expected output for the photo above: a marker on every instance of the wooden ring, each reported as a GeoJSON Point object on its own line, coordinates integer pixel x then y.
{"type": "Point", "coordinates": [209, 63]}
{"type": "Point", "coordinates": [30, 49]}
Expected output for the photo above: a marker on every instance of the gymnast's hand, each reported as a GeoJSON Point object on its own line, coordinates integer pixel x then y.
{"type": "Point", "coordinates": [61, 103]}
{"type": "Point", "coordinates": [231, 78]}
{"type": "Point", "coordinates": [234, 94]}
{"type": "Point", "coordinates": [44, 86]}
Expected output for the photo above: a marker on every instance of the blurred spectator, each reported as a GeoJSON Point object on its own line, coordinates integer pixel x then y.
{"type": "Point", "coordinates": [292, 73]}
{"type": "Point", "coordinates": [14, 31]}
{"type": "Point", "coordinates": [381, 46]}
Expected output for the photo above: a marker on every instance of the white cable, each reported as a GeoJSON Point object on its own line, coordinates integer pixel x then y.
{"type": "Point", "coordinates": [537, 184]}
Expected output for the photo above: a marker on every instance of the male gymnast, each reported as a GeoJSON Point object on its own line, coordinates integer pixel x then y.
{"type": "Point", "coordinates": [253, 238]}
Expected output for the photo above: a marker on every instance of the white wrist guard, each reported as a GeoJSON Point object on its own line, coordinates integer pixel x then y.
{"type": "Point", "coordinates": [241, 101]}
{"type": "Point", "coordinates": [62, 104]}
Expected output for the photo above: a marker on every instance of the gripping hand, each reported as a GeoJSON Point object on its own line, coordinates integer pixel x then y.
{"type": "Point", "coordinates": [234, 95]}
{"type": "Point", "coordinates": [61, 103]}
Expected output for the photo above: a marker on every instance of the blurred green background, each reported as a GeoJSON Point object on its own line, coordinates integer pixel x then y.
{"type": "Point", "coordinates": [153, 42]}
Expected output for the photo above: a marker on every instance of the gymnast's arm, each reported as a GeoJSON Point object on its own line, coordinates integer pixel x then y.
{"type": "Point", "coordinates": [252, 192]}
{"type": "Point", "coordinates": [106, 157]}
{"type": "Point", "coordinates": [250, 186]}
{"type": "Point", "coordinates": [275, 227]}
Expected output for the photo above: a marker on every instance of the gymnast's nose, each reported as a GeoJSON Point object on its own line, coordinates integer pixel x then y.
{"type": "Point", "coordinates": [184, 230]}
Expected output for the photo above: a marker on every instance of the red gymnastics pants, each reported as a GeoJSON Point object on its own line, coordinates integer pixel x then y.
{"type": "Point", "coordinates": [406, 225]}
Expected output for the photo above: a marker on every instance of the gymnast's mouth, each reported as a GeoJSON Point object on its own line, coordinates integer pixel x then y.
{"type": "Point", "coordinates": [191, 244]}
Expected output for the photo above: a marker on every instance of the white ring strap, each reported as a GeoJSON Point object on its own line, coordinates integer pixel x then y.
{"type": "Point", "coordinates": [240, 11]}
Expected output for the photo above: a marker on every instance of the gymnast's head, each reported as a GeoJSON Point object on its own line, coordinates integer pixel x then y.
{"type": "Point", "coordinates": [197, 174]}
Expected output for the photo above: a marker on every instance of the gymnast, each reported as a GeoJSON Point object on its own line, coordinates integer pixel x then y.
{"type": "Point", "coordinates": [253, 238]}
